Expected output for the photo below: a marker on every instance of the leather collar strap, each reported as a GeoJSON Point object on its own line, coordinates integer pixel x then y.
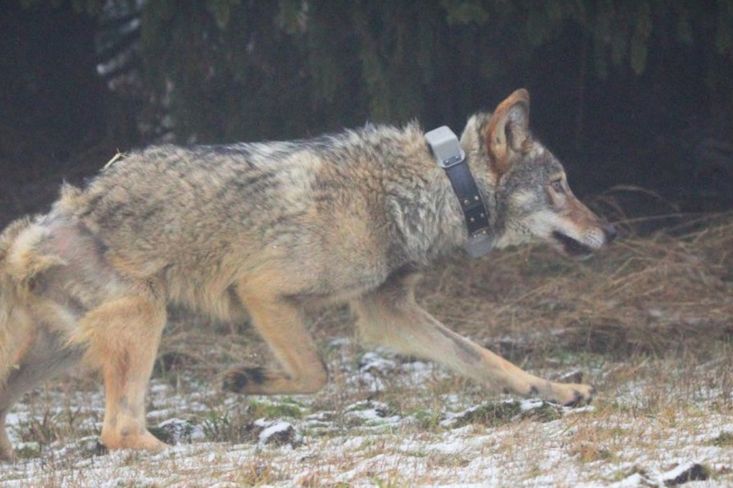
{"type": "Point", "coordinates": [449, 155]}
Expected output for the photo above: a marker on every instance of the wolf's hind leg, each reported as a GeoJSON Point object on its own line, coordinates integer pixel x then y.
{"type": "Point", "coordinates": [280, 324]}
{"type": "Point", "coordinates": [6, 448]}
{"type": "Point", "coordinates": [43, 356]}
{"type": "Point", "coordinates": [123, 337]}
{"type": "Point", "coordinates": [390, 316]}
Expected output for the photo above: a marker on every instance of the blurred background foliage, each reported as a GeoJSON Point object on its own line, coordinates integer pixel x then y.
{"type": "Point", "coordinates": [626, 92]}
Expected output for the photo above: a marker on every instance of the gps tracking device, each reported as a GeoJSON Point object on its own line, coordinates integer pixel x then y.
{"type": "Point", "coordinates": [449, 155]}
{"type": "Point", "coordinates": [446, 149]}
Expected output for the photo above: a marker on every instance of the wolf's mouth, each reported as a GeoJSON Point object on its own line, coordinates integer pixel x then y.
{"type": "Point", "coordinates": [571, 246]}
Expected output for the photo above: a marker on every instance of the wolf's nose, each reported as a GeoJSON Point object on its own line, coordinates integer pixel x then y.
{"type": "Point", "coordinates": [610, 232]}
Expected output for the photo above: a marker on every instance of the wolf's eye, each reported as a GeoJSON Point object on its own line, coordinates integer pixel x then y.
{"type": "Point", "coordinates": [557, 186]}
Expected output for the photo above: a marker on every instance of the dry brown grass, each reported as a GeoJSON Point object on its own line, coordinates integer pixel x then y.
{"type": "Point", "coordinates": [670, 291]}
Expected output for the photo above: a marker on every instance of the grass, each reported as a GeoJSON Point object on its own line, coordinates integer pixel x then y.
{"type": "Point", "coordinates": [428, 420]}
{"type": "Point", "coordinates": [725, 439]}
{"type": "Point", "coordinates": [223, 426]}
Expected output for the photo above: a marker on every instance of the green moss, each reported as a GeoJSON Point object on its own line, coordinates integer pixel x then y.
{"type": "Point", "coordinates": [286, 408]}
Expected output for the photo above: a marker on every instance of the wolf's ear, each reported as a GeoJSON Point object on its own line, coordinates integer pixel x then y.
{"type": "Point", "coordinates": [507, 130]}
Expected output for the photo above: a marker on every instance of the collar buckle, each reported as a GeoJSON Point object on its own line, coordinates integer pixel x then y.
{"type": "Point", "coordinates": [452, 161]}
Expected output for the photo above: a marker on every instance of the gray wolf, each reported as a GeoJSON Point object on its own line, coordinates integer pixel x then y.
{"type": "Point", "coordinates": [265, 230]}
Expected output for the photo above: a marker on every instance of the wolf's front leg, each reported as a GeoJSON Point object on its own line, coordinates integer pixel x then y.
{"type": "Point", "coordinates": [281, 325]}
{"type": "Point", "coordinates": [391, 317]}
{"type": "Point", "coordinates": [123, 337]}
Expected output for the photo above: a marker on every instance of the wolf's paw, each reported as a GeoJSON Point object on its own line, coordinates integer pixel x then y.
{"type": "Point", "coordinates": [573, 394]}
{"type": "Point", "coordinates": [145, 441]}
{"type": "Point", "coordinates": [242, 380]}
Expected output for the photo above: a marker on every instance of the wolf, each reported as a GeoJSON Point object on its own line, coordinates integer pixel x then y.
{"type": "Point", "coordinates": [265, 231]}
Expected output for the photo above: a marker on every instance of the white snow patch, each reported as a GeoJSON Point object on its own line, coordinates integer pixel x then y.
{"type": "Point", "coordinates": [372, 363]}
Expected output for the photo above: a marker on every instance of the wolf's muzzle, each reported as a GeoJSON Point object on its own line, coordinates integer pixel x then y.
{"type": "Point", "coordinates": [572, 247]}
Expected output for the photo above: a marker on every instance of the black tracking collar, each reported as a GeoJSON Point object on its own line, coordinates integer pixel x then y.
{"type": "Point", "coordinates": [447, 151]}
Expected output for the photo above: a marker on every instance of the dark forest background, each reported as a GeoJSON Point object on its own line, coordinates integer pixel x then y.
{"type": "Point", "coordinates": [629, 94]}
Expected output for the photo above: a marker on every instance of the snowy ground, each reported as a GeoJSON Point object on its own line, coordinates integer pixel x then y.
{"type": "Point", "coordinates": [391, 421]}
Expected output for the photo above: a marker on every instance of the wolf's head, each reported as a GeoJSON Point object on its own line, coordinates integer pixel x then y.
{"type": "Point", "coordinates": [532, 197]}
